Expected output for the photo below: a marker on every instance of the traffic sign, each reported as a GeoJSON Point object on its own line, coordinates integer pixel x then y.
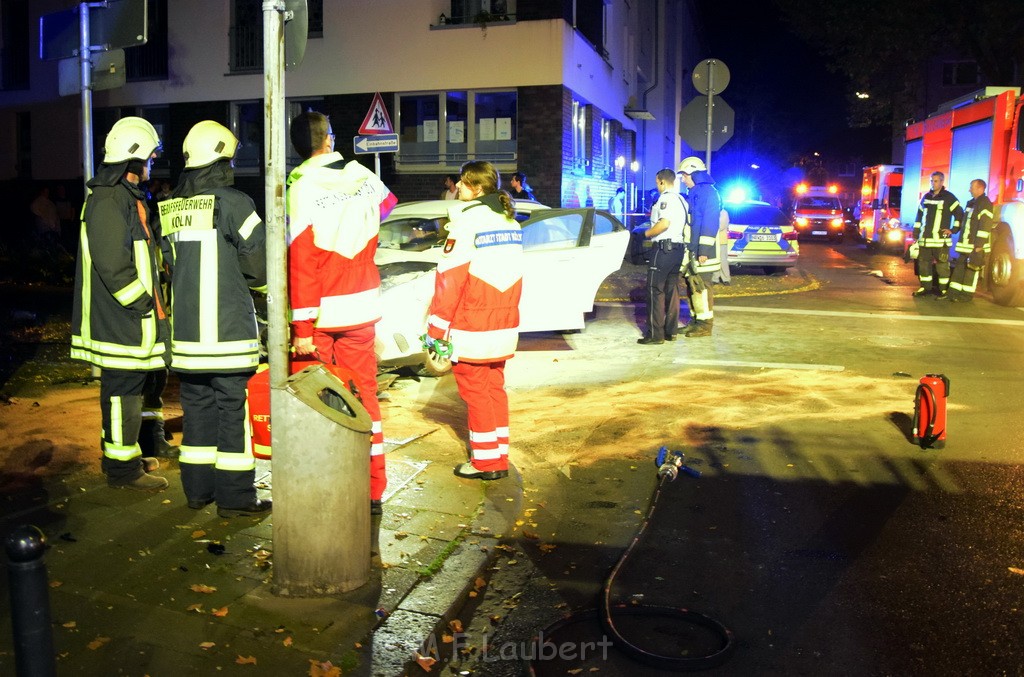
{"type": "Point", "coordinates": [693, 123]}
{"type": "Point", "coordinates": [711, 76]}
{"type": "Point", "coordinates": [377, 120]}
{"type": "Point", "coordinates": [113, 24]}
{"type": "Point", "coordinates": [375, 143]}
{"type": "Point", "coordinates": [107, 72]}
{"type": "Point", "coordinates": [296, 30]}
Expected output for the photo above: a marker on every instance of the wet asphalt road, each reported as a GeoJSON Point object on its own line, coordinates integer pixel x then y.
{"type": "Point", "coordinates": [828, 548]}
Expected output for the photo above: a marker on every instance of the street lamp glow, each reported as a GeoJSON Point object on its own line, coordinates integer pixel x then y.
{"type": "Point", "coordinates": [634, 165]}
{"type": "Point", "coordinates": [863, 95]}
{"type": "Point", "coordinates": [755, 166]}
{"type": "Point", "coordinates": [620, 162]}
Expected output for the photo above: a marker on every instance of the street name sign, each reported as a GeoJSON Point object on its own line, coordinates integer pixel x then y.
{"type": "Point", "coordinates": [375, 143]}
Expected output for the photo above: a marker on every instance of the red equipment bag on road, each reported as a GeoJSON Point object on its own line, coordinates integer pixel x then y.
{"type": "Point", "coordinates": [930, 411]}
{"type": "Point", "coordinates": [257, 401]}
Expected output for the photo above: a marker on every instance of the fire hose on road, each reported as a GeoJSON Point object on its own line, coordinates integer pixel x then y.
{"type": "Point", "coordinates": [670, 464]}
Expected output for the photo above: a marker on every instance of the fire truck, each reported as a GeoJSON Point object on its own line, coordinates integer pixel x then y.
{"type": "Point", "coordinates": [817, 212]}
{"type": "Point", "coordinates": [978, 136]}
{"type": "Point", "coordinates": [879, 224]}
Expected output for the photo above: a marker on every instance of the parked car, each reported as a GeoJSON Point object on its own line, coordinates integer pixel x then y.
{"type": "Point", "coordinates": [761, 235]}
{"type": "Point", "coordinates": [568, 254]}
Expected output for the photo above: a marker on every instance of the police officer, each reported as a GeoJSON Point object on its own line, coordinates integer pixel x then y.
{"type": "Point", "coordinates": [938, 217]}
{"type": "Point", "coordinates": [216, 253]}
{"type": "Point", "coordinates": [974, 244]}
{"type": "Point", "coordinates": [705, 255]}
{"type": "Point", "coordinates": [668, 234]}
{"type": "Point", "coordinates": [119, 320]}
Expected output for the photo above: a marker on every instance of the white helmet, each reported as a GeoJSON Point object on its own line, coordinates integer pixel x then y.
{"type": "Point", "coordinates": [130, 138]}
{"type": "Point", "coordinates": [692, 164]}
{"type": "Point", "coordinates": [206, 143]}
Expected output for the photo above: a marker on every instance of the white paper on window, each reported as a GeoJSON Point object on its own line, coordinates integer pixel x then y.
{"type": "Point", "coordinates": [457, 131]}
{"type": "Point", "coordinates": [503, 129]}
{"type": "Point", "coordinates": [430, 130]}
{"type": "Point", "coordinates": [487, 129]}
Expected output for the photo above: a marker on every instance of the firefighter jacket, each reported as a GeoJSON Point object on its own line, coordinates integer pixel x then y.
{"type": "Point", "coordinates": [119, 318]}
{"type": "Point", "coordinates": [215, 247]}
{"type": "Point", "coordinates": [705, 212]}
{"type": "Point", "coordinates": [977, 229]}
{"type": "Point", "coordinates": [938, 211]}
{"type": "Point", "coordinates": [334, 215]}
{"type": "Point", "coordinates": [478, 284]}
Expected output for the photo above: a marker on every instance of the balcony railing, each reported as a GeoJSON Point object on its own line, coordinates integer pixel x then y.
{"type": "Point", "coordinates": [246, 49]}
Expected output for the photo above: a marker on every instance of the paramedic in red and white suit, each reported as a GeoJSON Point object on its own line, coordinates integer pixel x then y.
{"type": "Point", "coordinates": [476, 309]}
{"type": "Point", "coordinates": [334, 214]}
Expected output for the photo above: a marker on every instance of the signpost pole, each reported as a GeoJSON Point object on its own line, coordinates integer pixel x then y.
{"type": "Point", "coordinates": [376, 163]}
{"type": "Point", "coordinates": [711, 103]}
{"type": "Point", "coordinates": [85, 66]}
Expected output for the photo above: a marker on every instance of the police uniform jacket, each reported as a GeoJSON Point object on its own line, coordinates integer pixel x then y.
{"type": "Point", "coordinates": [977, 229]}
{"type": "Point", "coordinates": [334, 214]}
{"type": "Point", "coordinates": [215, 246]}
{"type": "Point", "coordinates": [937, 212]}
{"type": "Point", "coordinates": [478, 283]}
{"type": "Point", "coordinates": [705, 213]}
{"type": "Point", "coordinates": [118, 319]}
{"type": "Point", "coordinates": [672, 206]}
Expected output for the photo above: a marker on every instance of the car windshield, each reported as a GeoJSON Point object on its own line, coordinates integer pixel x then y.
{"type": "Point", "coordinates": [400, 272]}
{"type": "Point", "coordinates": [416, 234]}
{"type": "Point", "coordinates": [895, 195]}
{"type": "Point", "coordinates": [818, 203]}
{"type": "Point", "coordinates": [755, 215]}
{"type": "Point", "coordinates": [555, 232]}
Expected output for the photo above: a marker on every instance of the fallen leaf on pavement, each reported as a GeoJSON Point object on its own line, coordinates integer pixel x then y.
{"type": "Point", "coordinates": [70, 624]}
{"type": "Point", "coordinates": [97, 643]}
{"type": "Point", "coordinates": [198, 533]}
{"type": "Point", "coordinates": [246, 660]}
{"type": "Point", "coordinates": [205, 589]}
{"type": "Point", "coordinates": [456, 625]}
{"type": "Point", "coordinates": [207, 645]}
{"type": "Point", "coordinates": [55, 584]}
{"type": "Point", "coordinates": [547, 547]}
{"type": "Point", "coordinates": [194, 607]}
{"type": "Point", "coordinates": [447, 639]}
{"type": "Point", "coordinates": [425, 662]}
{"type": "Point", "coordinates": [1015, 570]}
{"type": "Point", "coordinates": [287, 641]}
{"type": "Point", "coordinates": [532, 535]}
{"type": "Point", "coordinates": [325, 669]}
{"type": "Point", "coordinates": [223, 611]}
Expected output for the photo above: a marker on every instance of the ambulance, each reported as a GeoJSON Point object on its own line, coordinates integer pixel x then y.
{"type": "Point", "coordinates": [977, 136]}
{"type": "Point", "coordinates": [880, 196]}
{"type": "Point", "coordinates": [818, 213]}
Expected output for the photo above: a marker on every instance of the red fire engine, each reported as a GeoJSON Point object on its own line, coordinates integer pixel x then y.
{"type": "Point", "coordinates": [879, 224]}
{"type": "Point", "coordinates": [978, 136]}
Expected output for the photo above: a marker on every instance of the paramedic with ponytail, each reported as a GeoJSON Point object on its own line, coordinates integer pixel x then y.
{"type": "Point", "coordinates": [475, 312]}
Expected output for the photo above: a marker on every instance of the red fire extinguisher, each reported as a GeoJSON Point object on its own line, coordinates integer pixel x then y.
{"type": "Point", "coordinates": [930, 411]}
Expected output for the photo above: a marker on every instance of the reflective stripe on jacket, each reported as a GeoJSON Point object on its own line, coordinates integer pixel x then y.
{"type": "Point", "coordinates": [937, 212]}
{"type": "Point", "coordinates": [705, 213]}
{"type": "Point", "coordinates": [977, 228]}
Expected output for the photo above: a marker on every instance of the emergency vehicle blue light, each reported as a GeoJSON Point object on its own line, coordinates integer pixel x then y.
{"type": "Point", "coordinates": [736, 192]}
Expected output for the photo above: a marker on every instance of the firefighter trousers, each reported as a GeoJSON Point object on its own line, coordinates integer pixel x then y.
{"type": "Point", "coordinates": [700, 297]}
{"type": "Point", "coordinates": [964, 279]}
{"type": "Point", "coordinates": [933, 266]}
{"type": "Point", "coordinates": [482, 388]}
{"type": "Point", "coordinates": [151, 434]}
{"type": "Point", "coordinates": [121, 412]}
{"type": "Point", "coordinates": [353, 350]}
{"type": "Point", "coordinates": [663, 292]}
{"type": "Point", "coordinates": [216, 461]}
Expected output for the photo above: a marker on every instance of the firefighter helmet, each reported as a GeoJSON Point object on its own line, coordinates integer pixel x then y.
{"type": "Point", "coordinates": [206, 143]}
{"type": "Point", "coordinates": [692, 164]}
{"type": "Point", "coordinates": [130, 138]}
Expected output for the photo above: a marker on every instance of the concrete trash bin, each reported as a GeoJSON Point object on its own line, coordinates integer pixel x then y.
{"type": "Point", "coordinates": [321, 471]}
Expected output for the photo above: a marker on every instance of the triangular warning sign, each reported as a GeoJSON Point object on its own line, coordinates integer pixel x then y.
{"type": "Point", "coordinates": [377, 120]}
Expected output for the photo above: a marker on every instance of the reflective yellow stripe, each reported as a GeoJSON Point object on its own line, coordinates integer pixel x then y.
{"type": "Point", "coordinates": [208, 292]}
{"type": "Point", "coordinates": [250, 225]}
{"type": "Point", "coordinates": [116, 421]}
{"type": "Point", "coordinates": [197, 455]}
{"type": "Point", "coordinates": [262, 449]}
{"type": "Point", "coordinates": [223, 348]}
{"type": "Point", "coordinates": [235, 461]}
{"type": "Point", "coordinates": [116, 349]}
{"type": "Point", "coordinates": [217, 363]}
{"type": "Point", "coordinates": [108, 362]}
{"type": "Point", "coordinates": [86, 327]}
{"type": "Point", "coordinates": [121, 453]}
{"type": "Point", "coordinates": [708, 240]}
{"type": "Point", "coordinates": [130, 293]}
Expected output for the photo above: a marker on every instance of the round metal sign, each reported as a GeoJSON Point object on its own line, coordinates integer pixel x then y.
{"type": "Point", "coordinates": [296, 30]}
{"type": "Point", "coordinates": [711, 76]}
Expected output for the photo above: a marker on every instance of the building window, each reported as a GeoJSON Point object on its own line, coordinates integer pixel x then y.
{"type": "Point", "coordinates": [960, 73]}
{"type": "Point", "coordinates": [481, 11]}
{"type": "Point", "coordinates": [14, 47]}
{"type": "Point", "coordinates": [589, 20]}
{"type": "Point", "coordinates": [315, 12]}
{"type": "Point", "coordinates": [246, 36]}
{"type": "Point", "coordinates": [442, 130]}
{"type": "Point", "coordinates": [582, 152]}
{"type": "Point", "coordinates": [149, 61]}
{"type": "Point", "coordinates": [247, 126]}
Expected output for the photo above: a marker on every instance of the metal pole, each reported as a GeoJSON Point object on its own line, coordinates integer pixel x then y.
{"type": "Point", "coordinates": [274, 142]}
{"type": "Point", "coordinates": [30, 603]}
{"type": "Point", "coordinates": [711, 104]}
{"type": "Point", "coordinates": [85, 71]}
{"type": "Point", "coordinates": [376, 163]}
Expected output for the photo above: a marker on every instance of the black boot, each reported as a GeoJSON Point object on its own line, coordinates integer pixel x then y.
{"type": "Point", "coordinates": [153, 440]}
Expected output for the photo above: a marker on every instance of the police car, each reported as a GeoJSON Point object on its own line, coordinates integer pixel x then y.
{"type": "Point", "coordinates": [760, 235]}
{"type": "Point", "coordinates": [567, 255]}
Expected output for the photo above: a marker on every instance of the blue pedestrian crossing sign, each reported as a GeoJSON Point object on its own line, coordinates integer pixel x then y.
{"type": "Point", "coordinates": [375, 143]}
{"type": "Point", "coordinates": [377, 120]}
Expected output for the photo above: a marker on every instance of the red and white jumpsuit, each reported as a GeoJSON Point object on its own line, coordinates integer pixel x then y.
{"type": "Point", "coordinates": [334, 214]}
{"type": "Point", "coordinates": [476, 307]}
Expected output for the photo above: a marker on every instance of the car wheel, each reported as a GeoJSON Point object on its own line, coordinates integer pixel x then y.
{"type": "Point", "coordinates": [1006, 273]}
{"type": "Point", "coordinates": [434, 365]}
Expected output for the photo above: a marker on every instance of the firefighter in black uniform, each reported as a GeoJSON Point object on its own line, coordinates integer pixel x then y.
{"type": "Point", "coordinates": [938, 217]}
{"type": "Point", "coordinates": [214, 244]}
{"type": "Point", "coordinates": [974, 244]}
{"type": "Point", "coordinates": [668, 234]}
{"type": "Point", "coordinates": [119, 320]}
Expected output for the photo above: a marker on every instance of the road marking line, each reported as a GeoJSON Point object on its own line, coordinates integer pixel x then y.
{"type": "Point", "coordinates": [875, 316]}
{"type": "Point", "coordinates": [760, 365]}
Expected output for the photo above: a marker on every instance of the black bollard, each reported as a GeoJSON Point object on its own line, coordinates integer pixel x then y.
{"type": "Point", "coordinates": [30, 603]}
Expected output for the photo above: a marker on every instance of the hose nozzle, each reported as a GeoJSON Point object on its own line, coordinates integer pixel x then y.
{"type": "Point", "coordinates": [671, 462]}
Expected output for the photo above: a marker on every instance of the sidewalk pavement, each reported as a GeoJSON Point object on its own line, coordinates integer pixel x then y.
{"type": "Point", "coordinates": [142, 585]}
